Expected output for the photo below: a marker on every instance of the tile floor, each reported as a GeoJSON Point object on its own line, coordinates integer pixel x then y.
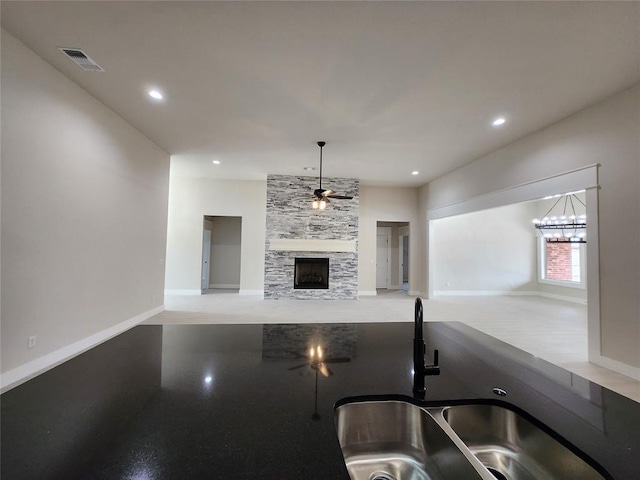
{"type": "Point", "coordinates": [553, 330]}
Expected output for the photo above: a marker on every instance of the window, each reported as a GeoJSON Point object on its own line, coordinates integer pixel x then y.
{"type": "Point", "coordinates": [562, 263]}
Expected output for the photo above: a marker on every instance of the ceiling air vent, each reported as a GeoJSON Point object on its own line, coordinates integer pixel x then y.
{"type": "Point", "coordinates": [81, 59]}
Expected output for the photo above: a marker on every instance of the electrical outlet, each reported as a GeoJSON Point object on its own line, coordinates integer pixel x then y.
{"type": "Point", "coordinates": [31, 341]}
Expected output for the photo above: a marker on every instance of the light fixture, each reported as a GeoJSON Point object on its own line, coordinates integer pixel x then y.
{"type": "Point", "coordinates": [316, 354]}
{"type": "Point", "coordinates": [499, 121]}
{"type": "Point", "coordinates": [156, 94]}
{"type": "Point", "coordinates": [216, 162]}
{"type": "Point", "coordinates": [415, 172]}
{"type": "Point", "coordinates": [309, 168]}
{"type": "Point", "coordinates": [560, 227]}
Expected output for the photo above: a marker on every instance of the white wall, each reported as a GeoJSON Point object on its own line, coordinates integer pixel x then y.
{"type": "Point", "coordinates": [226, 249]}
{"type": "Point", "coordinates": [84, 206]}
{"type": "Point", "coordinates": [608, 133]}
{"type": "Point", "coordinates": [487, 252]}
{"type": "Point", "coordinates": [386, 204]}
{"type": "Point", "coordinates": [190, 199]}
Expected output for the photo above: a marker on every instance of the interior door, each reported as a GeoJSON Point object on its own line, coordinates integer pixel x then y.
{"type": "Point", "coordinates": [206, 260]}
{"type": "Point", "coordinates": [405, 262]}
{"type": "Point", "coordinates": [382, 262]}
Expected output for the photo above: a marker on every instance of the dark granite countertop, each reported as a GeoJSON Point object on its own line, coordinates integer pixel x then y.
{"type": "Point", "coordinates": [230, 403]}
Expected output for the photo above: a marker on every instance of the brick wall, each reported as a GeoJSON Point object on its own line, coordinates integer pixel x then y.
{"type": "Point", "coordinates": [558, 261]}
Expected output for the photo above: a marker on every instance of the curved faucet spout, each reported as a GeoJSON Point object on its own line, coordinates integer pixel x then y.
{"type": "Point", "coordinates": [418, 319]}
{"type": "Point", "coordinates": [420, 369]}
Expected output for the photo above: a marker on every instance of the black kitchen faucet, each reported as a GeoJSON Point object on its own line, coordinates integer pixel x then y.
{"type": "Point", "coordinates": [420, 368]}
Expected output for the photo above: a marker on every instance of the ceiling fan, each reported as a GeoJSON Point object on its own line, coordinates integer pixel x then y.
{"type": "Point", "coordinates": [322, 196]}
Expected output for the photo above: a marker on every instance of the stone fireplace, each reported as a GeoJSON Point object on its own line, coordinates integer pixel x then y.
{"type": "Point", "coordinates": [297, 236]}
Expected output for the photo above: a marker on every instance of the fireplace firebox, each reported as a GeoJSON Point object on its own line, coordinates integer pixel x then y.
{"type": "Point", "coordinates": [311, 273]}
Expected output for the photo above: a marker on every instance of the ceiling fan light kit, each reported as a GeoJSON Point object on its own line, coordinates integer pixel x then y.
{"type": "Point", "coordinates": [321, 196]}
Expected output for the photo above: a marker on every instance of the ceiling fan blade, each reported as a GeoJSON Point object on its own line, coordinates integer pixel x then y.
{"type": "Point", "coordinates": [337, 360]}
{"type": "Point", "coordinates": [340, 197]}
{"type": "Point", "coordinates": [327, 193]}
{"type": "Point", "coordinates": [298, 366]}
{"type": "Point", "coordinates": [324, 370]}
{"type": "Point", "coordinates": [296, 355]}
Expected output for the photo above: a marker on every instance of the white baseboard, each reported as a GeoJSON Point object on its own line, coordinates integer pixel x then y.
{"type": "Point", "coordinates": [622, 368]}
{"type": "Point", "coordinates": [510, 293]}
{"type": "Point", "coordinates": [244, 291]}
{"type": "Point", "coordinates": [224, 285]}
{"type": "Point", "coordinates": [416, 293]}
{"type": "Point", "coordinates": [484, 293]}
{"type": "Point", "coordinates": [23, 373]}
{"type": "Point", "coordinates": [565, 298]}
{"type": "Point", "coordinates": [183, 292]}
{"type": "Point", "coordinates": [367, 293]}
{"type": "Point", "coordinates": [470, 293]}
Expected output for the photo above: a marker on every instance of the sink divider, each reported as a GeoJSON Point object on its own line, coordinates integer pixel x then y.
{"type": "Point", "coordinates": [437, 414]}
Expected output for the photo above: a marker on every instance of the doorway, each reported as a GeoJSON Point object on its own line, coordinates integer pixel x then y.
{"type": "Point", "coordinates": [221, 254]}
{"type": "Point", "coordinates": [519, 272]}
{"type": "Point", "coordinates": [392, 256]}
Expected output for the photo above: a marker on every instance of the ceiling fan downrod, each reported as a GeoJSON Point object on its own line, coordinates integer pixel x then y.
{"type": "Point", "coordinates": [321, 144]}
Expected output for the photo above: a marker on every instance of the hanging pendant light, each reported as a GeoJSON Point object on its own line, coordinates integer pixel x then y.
{"type": "Point", "coordinates": [563, 226]}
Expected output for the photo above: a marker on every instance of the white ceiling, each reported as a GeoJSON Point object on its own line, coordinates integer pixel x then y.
{"type": "Point", "coordinates": [391, 87]}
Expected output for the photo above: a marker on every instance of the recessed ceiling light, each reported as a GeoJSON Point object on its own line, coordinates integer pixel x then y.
{"type": "Point", "coordinates": [499, 121]}
{"type": "Point", "coordinates": [309, 168]}
{"type": "Point", "coordinates": [415, 172]}
{"type": "Point", "coordinates": [155, 94]}
{"type": "Point", "coordinates": [216, 162]}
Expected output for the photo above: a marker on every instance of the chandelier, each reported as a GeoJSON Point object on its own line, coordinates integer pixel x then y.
{"type": "Point", "coordinates": [562, 224]}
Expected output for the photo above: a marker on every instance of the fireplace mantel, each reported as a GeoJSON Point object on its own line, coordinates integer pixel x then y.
{"type": "Point", "coordinates": [311, 245]}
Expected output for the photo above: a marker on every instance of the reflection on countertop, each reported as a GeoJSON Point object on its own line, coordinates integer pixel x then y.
{"type": "Point", "coordinates": [228, 400]}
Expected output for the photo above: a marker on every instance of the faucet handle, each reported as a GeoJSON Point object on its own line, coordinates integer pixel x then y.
{"type": "Point", "coordinates": [433, 369]}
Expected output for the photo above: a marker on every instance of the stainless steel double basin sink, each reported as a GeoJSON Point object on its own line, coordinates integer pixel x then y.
{"type": "Point", "coordinates": [398, 440]}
